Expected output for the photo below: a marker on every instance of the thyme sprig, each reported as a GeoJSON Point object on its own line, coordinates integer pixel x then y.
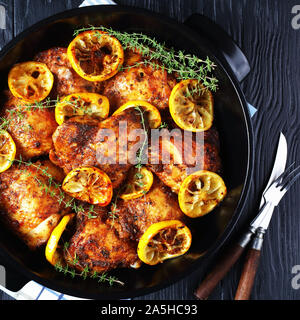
{"type": "Point", "coordinates": [65, 269]}
{"type": "Point", "coordinates": [113, 213]}
{"type": "Point", "coordinates": [18, 113]}
{"type": "Point", "coordinates": [86, 273]}
{"type": "Point", "coordinates": [68, 202]}
{"type": "Point", "coordinates": [163, 125]}
{"type": "Point", "coordinates": [183, 65]}
{"type": "Point", "coordinates": [141, 152]}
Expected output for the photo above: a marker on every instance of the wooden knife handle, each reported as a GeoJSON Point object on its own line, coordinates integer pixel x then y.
{"type": "Point", "coordinates": [248, 275]}
{"type": "Point", "coordinates": [222, 267]}
{"type": "Point", "coordinates": [218, 272]}
{"type": "Point", "coordinates": [250, 267]}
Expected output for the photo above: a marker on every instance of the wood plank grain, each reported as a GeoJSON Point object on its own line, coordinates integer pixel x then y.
{"type": "Point", "coordinates": [6, 34]}
{"type": "Point", "coordinates": [28, 12]}
{"type": "Point", "coordinates": [263, 30]}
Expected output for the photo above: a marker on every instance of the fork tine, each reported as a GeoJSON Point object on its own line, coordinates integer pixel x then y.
{"type": "Point", "coordinates": [286, 184]}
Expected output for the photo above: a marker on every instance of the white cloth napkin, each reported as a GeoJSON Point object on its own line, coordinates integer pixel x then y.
{"type": "Point", "coordinates": [34, 291]}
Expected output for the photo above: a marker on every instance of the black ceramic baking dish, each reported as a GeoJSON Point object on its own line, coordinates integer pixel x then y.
{"type": "Point", "coordinates": [197, 35]}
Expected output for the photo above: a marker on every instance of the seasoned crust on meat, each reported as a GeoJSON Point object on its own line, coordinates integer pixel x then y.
{"type": "Point", "coordinates": [96, 245]}
{"type": "Point", "coordinates": [72, 143]}
{"type": "Point", "coordinates": [25, 207]}
{"type": "Point", "coordinates": [110, 239]}
{"type": "Point", "coordinates": [173, 173]}
{"type": "Point", "coordinates": [66, 80]}
{"type": "Point", "coordinates": [141, 82]}
{"type": "Point", "coordinates": [78, 142]}
{"type": "Point", "coordinates": [31, 129]}
{"type": "Point", "coordinates": [133, 217]}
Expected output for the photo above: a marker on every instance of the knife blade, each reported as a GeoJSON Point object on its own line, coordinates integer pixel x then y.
{"type": "Point", "coordinates": [278, 168]}
{"type": "Point", "coordinates": [272, 195]}
{"type": "Point", "coordinates": [265, 213]}
{"type": "Point", "coordinates": [279, 164]}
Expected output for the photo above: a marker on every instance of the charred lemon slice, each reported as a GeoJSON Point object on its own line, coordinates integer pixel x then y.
{"type": "Point", "coordinates": [7, 150]}
{"type": "Point", "coordinates": [30, 81]}
{"type": "Point", "coordinates": [191, 106]}
{"type": "Point", "coordinates": [51, 248]}
{"type": "Point", "coordinates": [79, 104]}
{"type": "Point", "coordinates": [164, 240]}
{"type": "Point", "coordinates": [95, 55]}
{"type": "Point", "coordinates": [148, 110]}
{"type": "Point", "coordinates": [139, 182]}
{"type": "Point", "coordinates": [200, 193]}
{"type": "Point", "coordinates": [89, 184]}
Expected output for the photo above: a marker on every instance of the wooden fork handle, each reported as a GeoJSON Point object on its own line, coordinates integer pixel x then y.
{"type": "Point", "coordinates": [222, 267]}
{"type": "Point", "coordinates": [250, 267]}
{"type": "Point", "coordinates": [248, 275]}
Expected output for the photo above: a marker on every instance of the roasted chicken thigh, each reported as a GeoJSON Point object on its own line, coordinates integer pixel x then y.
{"type": "Point", "coordinates": [66, 80]}
{"type": "Point", "coordinates": [31, 128]}
{"type": "Point", "coordinates": [83, 141]}
{"type": "Point", "coordinates": [26, 208]}
{"type": "Point", "coordinates": [96, 245]}
{"type": "Point", "coordinates": [32, 202]}
{"type": "Point", "coordinates": [183, 157]}
{"type": "Point", "coordinates": [139, 82]}
{"type": "Point", "coordinates": [133, 217]}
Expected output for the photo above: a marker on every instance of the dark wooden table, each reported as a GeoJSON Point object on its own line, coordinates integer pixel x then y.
{"type": "Point", "coordinates": [264, 31]}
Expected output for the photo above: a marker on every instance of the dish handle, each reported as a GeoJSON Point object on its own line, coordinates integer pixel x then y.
{"type": "Point", "coordinates": [222, 42]}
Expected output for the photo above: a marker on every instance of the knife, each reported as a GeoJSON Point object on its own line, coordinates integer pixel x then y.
{"type": "Point", "coordinates": [230, 257]}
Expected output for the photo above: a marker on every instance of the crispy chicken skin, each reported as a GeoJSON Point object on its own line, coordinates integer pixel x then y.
{"type": "Point", "coordinates": [109, 238]}
{"type": "Point", "coordinates": [141, 82]}
{"type": "Point", "coordinates": [174, 172]}
{"type": "Point", "coordinates": [97, 246]}
{"type": "Point", "coordinates": [80, 141]}
{"type": "Point", "coordinates": [133, 217]}
{"type": "Point", "coordinates": [66, 80]}
{"type": "Point", "coordinates": [25, 207]}
{"type": "Point", "coordinates": [31, 130]}
{"type": "Point", "coordinates": [72, 142]}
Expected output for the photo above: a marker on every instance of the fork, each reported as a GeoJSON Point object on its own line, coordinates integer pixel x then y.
{"type": "Point", "coordinates": [258, 227]}
{"type": "Point", "coordinates": [272, 197]}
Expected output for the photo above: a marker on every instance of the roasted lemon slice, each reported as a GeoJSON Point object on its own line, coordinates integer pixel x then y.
{"type": "Point", "coordinates": [89, 184]}
{"type": "Point", "coordinates": [191, 106]}
{"type": "Point", "coordinates": [200, 193]}
{"type": "Point", "coordinates": [30, 81]}
{"type": "Point", "coordinates": [51, 248]}
{"type": "Point", "coordinates": [7, 150]}
{"type": "Point", "coordinates": [95, 55]}
{"type": "Point", "coordinates": [152, 113]}
{"type": "Point", "coordinates": [79, 104]}
{"type": "Point", "coordinates": [164, 240]}
{"type": "Point", "coordinates": [139, 182]}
